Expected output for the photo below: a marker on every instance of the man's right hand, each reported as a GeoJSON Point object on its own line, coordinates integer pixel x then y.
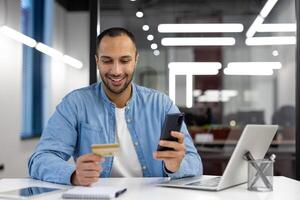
{"type": "Point", "coordinates": [87, 170]}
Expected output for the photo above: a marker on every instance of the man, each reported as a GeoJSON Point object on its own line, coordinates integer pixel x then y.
{"type": "Point", "coordinates": [112, 111]}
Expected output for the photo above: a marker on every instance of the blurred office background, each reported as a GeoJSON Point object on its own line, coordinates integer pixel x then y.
{"type": "Point", "coordinates": [232, 64]}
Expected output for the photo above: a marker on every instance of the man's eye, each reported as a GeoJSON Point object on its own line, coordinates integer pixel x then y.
{"type": "Point", "coordinates": [125, 61]}
{"type": "Point", "coordinates": [106, 61]}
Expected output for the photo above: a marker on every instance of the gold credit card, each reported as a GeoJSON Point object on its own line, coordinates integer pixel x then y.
{"type": "Point", "coordinates": [105, 150]}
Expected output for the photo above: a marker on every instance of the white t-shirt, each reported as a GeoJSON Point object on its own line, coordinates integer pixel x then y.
{"type": "Point", "coordinates": [125, 162]}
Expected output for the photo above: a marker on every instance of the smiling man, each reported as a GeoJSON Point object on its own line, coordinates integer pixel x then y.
{"type": "Point", "coordinates": [113, 111]}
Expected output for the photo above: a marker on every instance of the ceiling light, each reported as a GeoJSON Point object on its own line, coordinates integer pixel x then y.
{"type": "Point", "coordinates": [252, 29]}
{"type": "Point", "coordinates": [153, 46]}
{"type": "Point", "coordinates": [198, 41]}
{"type": "Point", "coordinates": [248, 71]}
{"type": "Point", "coordinates": [72, 61]}
{"type": "Point", "coordinates": [156, 52]}
{"type": "Point", "coordinates": [139, 14]}
{"type": "Point", "coordinates": [217, 95]}
{"type": "Point", "coordinates": [280, 40]}
{"type": "Point", "coordinates": [197, 93]}
{"type": "Point", "coordinates": [256, 65]}
{"type": "Point", "coordinates": [276, 28]}
{"type": "Point", "coordinates": [150, 37]}
{"type": "Point", "coordinates": [16, 35]}
{"type": "Point", "coordinates": [145, 27]}
{"type": "Point", "coordinates": [267, 8]}
{"type": "Point", "coordinates": [195, 68]}
{"type": "Point", "coordinates": [49, 51]}
{"type": "Point", "coordinates": [55, 54]}
{"type": "Point", "coordinates": [189, 69]}
{"type": "Point", "coordinates": [200, 28]}
{"type": "Point", "coordinates": [275, 53]}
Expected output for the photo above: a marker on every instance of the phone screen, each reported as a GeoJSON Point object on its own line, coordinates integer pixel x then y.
{"type": "Point", "coordinates": [173, 122]}
{"type": "Point", "coordinates": [28, 192]}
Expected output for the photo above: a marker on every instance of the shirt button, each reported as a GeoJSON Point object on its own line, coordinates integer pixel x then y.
{"type": "Point", "coordinates": [127, 108]}
{"type": "Point", "coordinates": [136, 143]}
{"type": "Point", "coordinates": [144, 167]}
{"type": "Point", "coordinates": [128, 120]}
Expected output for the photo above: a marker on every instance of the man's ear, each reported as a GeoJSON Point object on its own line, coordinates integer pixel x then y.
{"type": "Point", "coordinates": [96, 59]}
{"type": "Point", "coordinates": [136, 58]}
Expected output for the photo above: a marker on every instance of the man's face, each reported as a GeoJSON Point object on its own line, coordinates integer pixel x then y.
{"type": "Point", "coordinates": [116, 59]}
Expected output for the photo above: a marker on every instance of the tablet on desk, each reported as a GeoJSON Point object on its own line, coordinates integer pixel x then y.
{"type": "Point", "coordinates": [27, 193]}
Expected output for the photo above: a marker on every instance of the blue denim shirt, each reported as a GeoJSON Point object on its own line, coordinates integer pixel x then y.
{"type": "Point", "coordinates": [86, 116]}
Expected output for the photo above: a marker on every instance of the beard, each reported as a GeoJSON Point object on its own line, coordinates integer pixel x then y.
{"type": "Point", "coordinates": [117, 91]}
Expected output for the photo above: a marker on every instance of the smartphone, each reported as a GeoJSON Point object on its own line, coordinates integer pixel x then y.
{"type": "Point", "coordinates": [28, 193]}
{"type": "Point", "coordinates": [173, 122]}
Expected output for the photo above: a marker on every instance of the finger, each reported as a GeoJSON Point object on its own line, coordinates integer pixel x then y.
{"type": "Point", "coordinates": [178, 135]}
{"type": "Point", "coordinates": [172, 144]}
{"type": "Point", "coordinates": [90, 157]}
{"type": "Point", "coordinates": [88, 181]}
{"type": "Point", "coordinates": [88, 174]}
{"type": "Point", "coordinates": [89, 166]}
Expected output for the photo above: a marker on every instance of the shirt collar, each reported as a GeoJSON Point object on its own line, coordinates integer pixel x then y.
{"type": "Point", "coordinates": [108, 101]}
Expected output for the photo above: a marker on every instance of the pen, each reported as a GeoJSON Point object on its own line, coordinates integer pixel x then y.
{"type": "Point", "coordinates": [120, 192]}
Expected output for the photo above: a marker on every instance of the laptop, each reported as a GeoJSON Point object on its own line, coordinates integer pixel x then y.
{"type": "Point", "coordinates": [255, 138]}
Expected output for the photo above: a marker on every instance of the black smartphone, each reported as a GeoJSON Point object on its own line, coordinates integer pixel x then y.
{"type": "Point", "coordinates": [173, 122]}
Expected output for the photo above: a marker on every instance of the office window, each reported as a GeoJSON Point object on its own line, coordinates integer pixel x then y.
{"type": "Point", "coordinates": [32, 103]}
{"type": "Point", "coordinates": [58, 63]}
{"type": "Point", "coordinates": [224, 63]}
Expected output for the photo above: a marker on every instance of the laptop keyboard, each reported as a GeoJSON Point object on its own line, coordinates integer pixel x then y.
{"type": "Point", "coordinates": [211, 182]}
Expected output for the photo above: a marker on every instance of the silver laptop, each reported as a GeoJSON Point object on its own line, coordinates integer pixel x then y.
{"type": "Point", "coordinates": [255, 138]}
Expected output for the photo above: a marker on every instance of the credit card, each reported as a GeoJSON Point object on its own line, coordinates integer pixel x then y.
{"type": "Point", "coordinates": [105, 150]}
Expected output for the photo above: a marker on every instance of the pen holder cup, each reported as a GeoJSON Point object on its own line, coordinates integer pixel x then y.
{"type": "Point", "coordinates": [260, 175]}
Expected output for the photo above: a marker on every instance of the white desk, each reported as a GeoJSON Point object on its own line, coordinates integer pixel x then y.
{"type": "Point", "coordinates": [144, 188]}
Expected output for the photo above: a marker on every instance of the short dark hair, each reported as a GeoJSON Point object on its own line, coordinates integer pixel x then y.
{"type": "Point", "coordinates": [114, 32]}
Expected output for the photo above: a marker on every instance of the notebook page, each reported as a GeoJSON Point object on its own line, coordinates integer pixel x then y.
{"type": "Point", "coordinates": [99, 192]}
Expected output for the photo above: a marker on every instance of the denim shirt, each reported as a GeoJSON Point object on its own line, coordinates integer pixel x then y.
{"type": "Point", "coordinates": [86, 116]}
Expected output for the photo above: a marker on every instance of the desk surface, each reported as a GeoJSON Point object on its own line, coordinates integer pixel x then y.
{"type": "Point", "coordinates": [144, 188]}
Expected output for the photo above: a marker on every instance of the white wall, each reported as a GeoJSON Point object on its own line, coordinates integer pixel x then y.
{"type": "Point", "coordinates": [13, 152]}
{"type": "Point", "coordinates": [70, 36]}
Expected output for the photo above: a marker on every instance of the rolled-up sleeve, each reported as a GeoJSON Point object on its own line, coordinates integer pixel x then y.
{"type": "Point", "coordinates": [56, 146]}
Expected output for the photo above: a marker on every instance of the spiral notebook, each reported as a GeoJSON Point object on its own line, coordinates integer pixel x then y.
{"type": "Point", "coordinates": [100, 192]}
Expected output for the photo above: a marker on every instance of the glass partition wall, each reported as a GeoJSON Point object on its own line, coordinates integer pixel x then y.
{"type": "Point", "coordinates": [225, 63]}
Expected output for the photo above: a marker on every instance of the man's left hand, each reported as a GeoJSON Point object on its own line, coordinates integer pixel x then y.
{"type": "Point", "coordinates": [172, 158]}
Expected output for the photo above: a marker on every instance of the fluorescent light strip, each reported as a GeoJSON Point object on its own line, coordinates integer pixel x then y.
{"type": "Point", "coordinates": [172, 85]}
{"type": "Point", "coordinates": [200, 28]}
{"type": "Point", "coordinates": [72, 61]}
{"type": "Point", "coordinates": [256, 65]}
{"type": "Point", "coordinates": [16, 35]}
{"type": "Point", "coordinates": [189, 91]}
{"type": "Point", "coordinates": [212, 99]}
{"type": "Point", "coordinates": [189, 69]}
{"type": "Point", "coordinates": [217, 95]}
{"type": "Point", "coordinates": [267, 8]}
{"type": "Point", "coordinates": [55, 54]}
{"type": "Point", "coordinates": [49, 51]}
{"type": "Point", "coordinates": [227, 93]}
{"type": "Point", "coordinates": [198, 41]}
{"type": "Point", "coordinates": [252, 29]}
{"type": "Point", "coordinates": [280, 40]}
{"type": "Point", "coordinates": [261, 17]}
{"type": "Point", "coordinates": [195, 68]}
{"type": "Point", "coordinates": [276, 28]}
{"type": "Point", "coordinates": [248, 71]}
